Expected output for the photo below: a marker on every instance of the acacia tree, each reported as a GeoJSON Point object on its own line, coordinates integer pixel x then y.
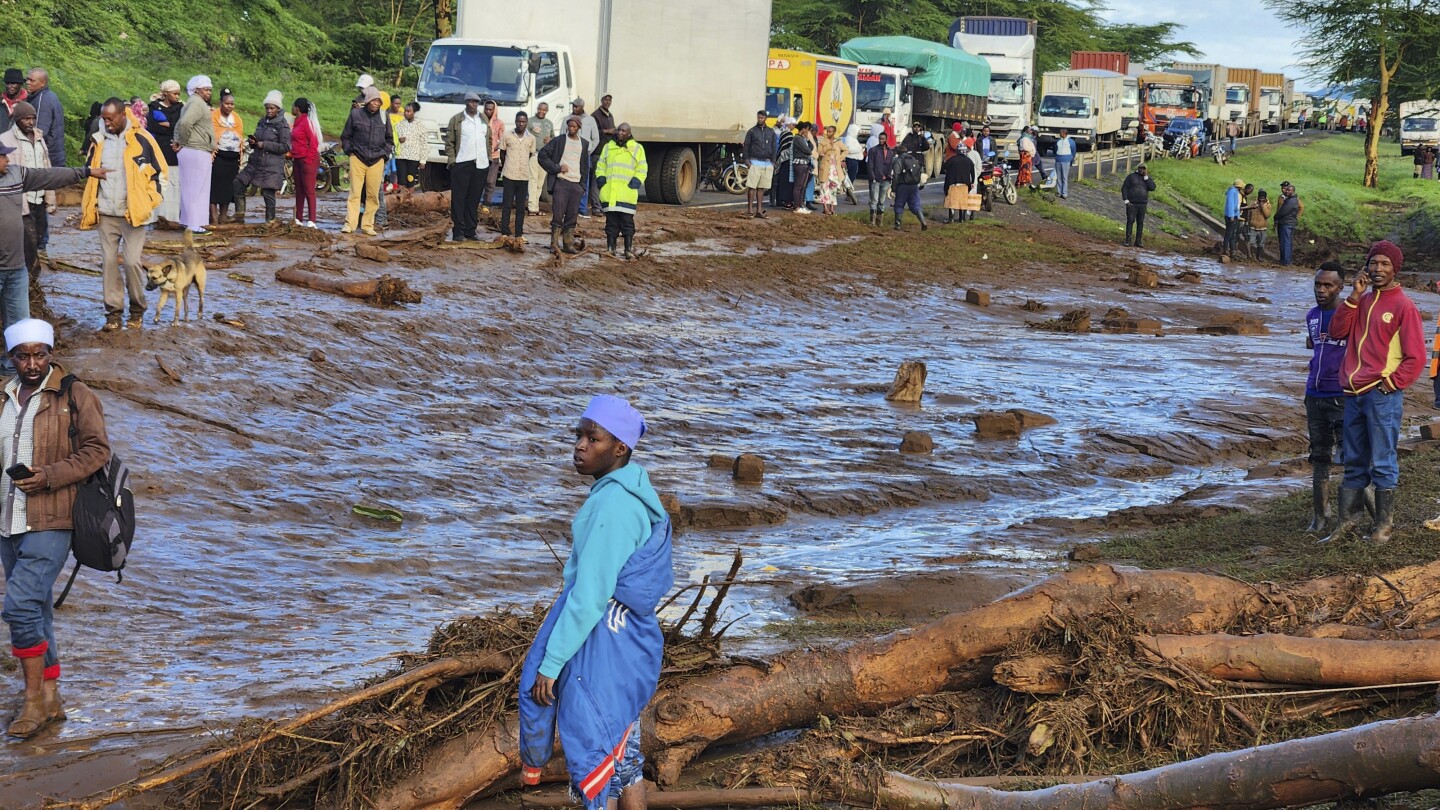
{"type": "Point", "coordinates": [1349, 42]}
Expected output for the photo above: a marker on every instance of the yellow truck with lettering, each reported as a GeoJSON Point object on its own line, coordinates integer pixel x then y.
{"type": "Point", "coordinates": [811, 87]}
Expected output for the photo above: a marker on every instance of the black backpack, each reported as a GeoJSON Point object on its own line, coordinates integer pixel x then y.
{"type": "Point", "coordinates": [908, 170]}
{"type": "Point", "coordinates": [104, 514]}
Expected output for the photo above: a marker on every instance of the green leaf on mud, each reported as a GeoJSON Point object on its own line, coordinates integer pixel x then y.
{"type": "Point", "coordinates": [378, 512]}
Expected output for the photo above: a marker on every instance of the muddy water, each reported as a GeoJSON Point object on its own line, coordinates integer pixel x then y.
{"type": "Point", "coordinates": [253, 589]}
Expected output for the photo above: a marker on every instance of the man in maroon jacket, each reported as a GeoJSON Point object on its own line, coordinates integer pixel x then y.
{"type": "Point", "coordinates": [1384, 355]}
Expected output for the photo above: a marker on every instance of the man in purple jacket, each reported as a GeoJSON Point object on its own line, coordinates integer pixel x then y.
{"type": "Point", "coordinates": [1324, 395]}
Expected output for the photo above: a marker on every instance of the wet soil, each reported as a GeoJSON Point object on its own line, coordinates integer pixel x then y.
{"type": "Point", "coordinates": [254, 589]}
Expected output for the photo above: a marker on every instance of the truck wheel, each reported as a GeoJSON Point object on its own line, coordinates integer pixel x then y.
{"type": "Point", "coordinates": [656, 158]}
{"type": "Point", "coordinates": [679, 175]}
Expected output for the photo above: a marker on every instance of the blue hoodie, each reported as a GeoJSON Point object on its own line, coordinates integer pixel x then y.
{"type": "Point", "coordinates": [601, 635]}
{"type": "Point", "coordinates": [1232, 203]}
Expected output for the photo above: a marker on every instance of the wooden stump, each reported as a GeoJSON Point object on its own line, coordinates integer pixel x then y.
{"type": "Point", "coordinates": [909, 385]}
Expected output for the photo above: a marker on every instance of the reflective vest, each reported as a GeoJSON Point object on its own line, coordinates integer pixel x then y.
{"type": "Point", "coordinates": [619, 165]}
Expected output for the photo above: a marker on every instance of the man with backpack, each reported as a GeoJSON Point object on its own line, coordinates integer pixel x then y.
{"type": "Point", "coordinates": [43, 467]}
{"type": "Point", "coordinates": [908, 174]}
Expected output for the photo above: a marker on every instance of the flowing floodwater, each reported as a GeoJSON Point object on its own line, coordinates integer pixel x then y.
{"type": "Point", "coordinates": [253, 589]}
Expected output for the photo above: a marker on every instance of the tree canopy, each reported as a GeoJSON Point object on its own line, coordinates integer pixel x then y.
{"type": "Point", "coordinates": [822, 25]}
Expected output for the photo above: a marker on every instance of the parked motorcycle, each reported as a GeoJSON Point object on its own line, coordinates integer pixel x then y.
{"type": "Point", "coordinates": [334, 173]}
{"type": "Point", "coordinates": [998, 182]}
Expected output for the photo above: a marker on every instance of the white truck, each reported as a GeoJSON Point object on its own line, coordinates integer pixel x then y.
{"type": "Point", "coordinates": [1008, 44]}
{"type": "Point", "coordinates": [879, 88]}
{"type": "Point", "coordinates": [687, 75]}
{"type": "Point", "coordinates": [1419, 125]}
{"type": "Point", "coordinates": [1089, 103]}
{"type": "Point", "coordinates": [1213, 80]}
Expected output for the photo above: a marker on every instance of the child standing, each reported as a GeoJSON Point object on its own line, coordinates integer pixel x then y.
{"type": "Point", "coordinates": [595, 663]}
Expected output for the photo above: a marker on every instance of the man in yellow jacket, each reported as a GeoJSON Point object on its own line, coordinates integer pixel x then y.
{"type": "Point", "coordinates": [620, 174]}
{"type": "Point", "coordinates": [122, 205]}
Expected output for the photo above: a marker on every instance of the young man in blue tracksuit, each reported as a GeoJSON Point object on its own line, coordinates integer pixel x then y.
{"type": "Point", "coordinates": [1324, 394]}
{"type": "Point", "coordinates": [595, 663]}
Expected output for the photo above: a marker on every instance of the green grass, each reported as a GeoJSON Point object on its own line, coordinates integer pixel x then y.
{"type": "Point", "coordinates": [1326, 172]}
{"type": "Point", "coordinates": [1050, 207]}
{"type": "Point", "coordinates": [1269, 543]}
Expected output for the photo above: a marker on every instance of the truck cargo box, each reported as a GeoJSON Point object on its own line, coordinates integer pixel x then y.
{"type": "Point", "coordinates": [1116, 61]}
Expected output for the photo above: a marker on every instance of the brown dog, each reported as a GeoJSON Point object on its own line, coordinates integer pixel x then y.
{"type": "Point", "coordinates": [176, 276]}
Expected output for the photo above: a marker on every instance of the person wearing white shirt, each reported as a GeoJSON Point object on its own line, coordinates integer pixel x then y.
{"type": "Point", "coordinates": [467, 147]}
{"type": "Point", "coordinates": [1064, 157]}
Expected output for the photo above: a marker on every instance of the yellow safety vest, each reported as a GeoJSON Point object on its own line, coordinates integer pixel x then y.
{"type": "Point", "coordinates": [619, 165]}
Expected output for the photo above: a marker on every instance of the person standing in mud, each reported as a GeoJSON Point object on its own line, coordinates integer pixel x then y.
{"type": "Point", "coordinates": [35, 522]}
{"type": "Point", "coordinates": [909, 176]}
{"type": "Point", "coordinates": [542, 129]}
{"type": "Point", "coordinates": [467, 148]}
{"type": "Point", "coordinates": [1384, 355]}
{"type": "Point", "coordinates": [759, 151]}
{"type": "Point", "coordinates": [1324, 395]}
{"type": "Point", "coordinates": [1234, 201]}
{"type": "Point", "coordinates": [595, 662]}
{"type": "Point", "coordinates": [121, 206]}
{"type": "Point", "coordinates": [1287, 218]}
{"type": "Point", "coordinates": [566, 161]}
{"type": "Point", "coordinates": [621, 173]}
{"type": "Point", "coordinates": [518, 147]}
{"type": "Point", "coordinates": [1135, 193]}
{"type": "Point", "coordinates": [879, 164]}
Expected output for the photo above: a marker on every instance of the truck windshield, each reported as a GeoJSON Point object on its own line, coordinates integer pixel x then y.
{"type": "Point", "coordinates": [875, 91]}
{"type": "Point", "coordinates": [1419, 125]}
{"type": "Point", "coordinates": [1131, 96]}
{"type": "Point", "coordinates": [1007, 88]}
{"type": "Point", "coordinates": [1170, 97]}
{"type": "Point", "coordinates": [1237, 95]}
{"type": "Point", "coordinates": [451, 71]}
{"type": "Point", "coordinates": [1066, 106]}
{"type": "Point", "coordinates": [777, 101]}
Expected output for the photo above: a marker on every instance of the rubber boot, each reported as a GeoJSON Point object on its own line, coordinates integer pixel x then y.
{"type": "Point", "coordinates": [896, 226]}
{"type": "Point", "coordinates": [50, 691]}
{"type": "Point", "coordinates": [554, 240]}
{"type": "Point", "coordinates": [240, 208]}
{"type": "Point", "coordinates": [629, 248]}
{"type": "Point", "coordinates": [1384, 517]}
{"type": "Point", "coordinates": [1370, 501]}
{"type": "Point", "coordinates": [32, 716]}
{"type": "Point", "coordinates": [1352, 504]}
{"type": "Point", "coordinates": [567, 236]}
{"type": "Point", "coordinates": [1320, 497]}
{"type": "Point", "coordinates": [924, 226]}
{"type": "Point", "coordinates": [610, 246]}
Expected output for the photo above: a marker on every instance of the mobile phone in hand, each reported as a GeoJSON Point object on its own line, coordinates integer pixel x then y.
{"type": "Point", "coordinates": [20, 472]}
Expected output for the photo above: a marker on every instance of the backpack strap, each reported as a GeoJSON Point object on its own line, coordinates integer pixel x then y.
{"type": "Point", "coordinates": [74, 572]}
{"type": "Point", "coordinates": [66, 390]}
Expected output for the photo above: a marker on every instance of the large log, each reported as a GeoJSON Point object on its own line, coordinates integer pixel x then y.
{"type": "Point", "coordinates": [384, 290]}
{"type": "Point", "coordinates": [745, 702]}
{"type": "Point", "coordinates": [1393, 756]}
{"type": "Point", "coordinates": [1310, 661]}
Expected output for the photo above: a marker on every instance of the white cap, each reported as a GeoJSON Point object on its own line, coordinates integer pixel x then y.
{"type": "Point", "coordinates": [365, 80]}
{"type": "Point", "coordinates": [30, 330]}
{"type": "Point", "coordinates": [272, 98]}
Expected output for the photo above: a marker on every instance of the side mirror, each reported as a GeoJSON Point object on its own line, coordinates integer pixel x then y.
{"type": "Point", "coordinates": [534, 62]}
{"type": "Point", "coordinates": [409, 55]}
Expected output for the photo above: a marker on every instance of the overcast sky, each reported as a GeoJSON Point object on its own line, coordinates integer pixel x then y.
{"type": "Point", "coordinates": [1236, 33]}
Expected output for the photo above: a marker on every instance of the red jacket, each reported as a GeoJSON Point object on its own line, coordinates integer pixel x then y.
{"type": "Point", "coordinates": [1385, 341]}
{"type": "Point", "coordinates": [303, 143]}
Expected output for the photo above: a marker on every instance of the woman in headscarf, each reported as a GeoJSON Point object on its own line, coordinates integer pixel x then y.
{"type": "Point", "coordinates": [305, 157]}
{"type": "Point", "coordinates": [268, 145]}
{"type": "Point", "coordinates": [784, 195]}
{"type": "Point", "coordinates": [229, 135]}
{"type": "Point", "coordinates": [829, 154]}
{"type": "Point", "coordinates": [195, 135]}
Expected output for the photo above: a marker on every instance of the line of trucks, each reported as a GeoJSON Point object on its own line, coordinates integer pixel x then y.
{"type": "Point", "coordinates": [690, 75]}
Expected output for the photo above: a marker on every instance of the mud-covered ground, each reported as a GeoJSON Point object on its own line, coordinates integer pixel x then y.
{"type": "Point", "coordinates": [253, 589]}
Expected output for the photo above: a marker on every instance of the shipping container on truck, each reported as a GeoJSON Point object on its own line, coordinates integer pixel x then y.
{"type": "Point", "coordinates": [1168, 95]}
{"type": "Point", "coordinates": [1085, 102]}
{"type": "Point", "coordinates": [1242, 100]}
{"type": "Point", "coordinates": [1008, 44]}
{"type": "Point", "coordinates": [811, 87]}
{"type": "Point", "coordinates": [1211, 79]}
{"type": "Point", "coordinates": [1116, 61]}
{"type": "Point", "coordinates": [945, 84]}
{"type": "Point", "coordinates": [653, 56]}
{"type": "Point", "coordinates": [1419, 125]}
{"type": "Point", "coordinates": [1130, 109]}
{"type": "Point", "coordinates": [1274, 101]}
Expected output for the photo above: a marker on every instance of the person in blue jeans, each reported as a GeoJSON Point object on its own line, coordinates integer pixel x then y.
{"type": "Point", "coordinates": [1287, 217]}
{"type": "Point", "coordinates": [36, 504]}
{"type": "Point", "coordinates": [1324, 395]}
{"type": "Point", "coordinates": [595, 662]}
{"type": "Point", "coordinates": [1064, 157]}
{"type": "Point", "coordinates": [1384, 355]}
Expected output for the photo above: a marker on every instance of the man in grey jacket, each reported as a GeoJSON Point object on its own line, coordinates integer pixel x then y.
{"type": "Point", "coordinates": [15, 180]}
{"type": "Point", "coordinates": [49, 115]}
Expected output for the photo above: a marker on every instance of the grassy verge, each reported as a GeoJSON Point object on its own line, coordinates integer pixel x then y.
{"type": "Point", "coordinates": [1326, 172]}
{"type": "Point", "coordinates": [1269, 543]}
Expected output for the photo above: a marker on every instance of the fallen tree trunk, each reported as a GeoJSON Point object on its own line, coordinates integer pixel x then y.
{"type": "Point", "coordinates": [1275, 658]}
{"type": "Point", "coordinates": [1393, 756]}
{"type": "Point", "coordinates": [383, 290]}
{"type": "Point", "coordinates": [745, 702]}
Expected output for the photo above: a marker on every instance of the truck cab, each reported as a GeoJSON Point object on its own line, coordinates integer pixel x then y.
{"type": "Point", "coordinates": [518, 78]}
{"type": "Point", "coordinates": [878, 88]}
{"type": "Point", "coordinates": [1419, 125]}
{"type": "Point", "coordinates": [1236, 106]}
{"type": "Point", "coordinates": [1008, 44]}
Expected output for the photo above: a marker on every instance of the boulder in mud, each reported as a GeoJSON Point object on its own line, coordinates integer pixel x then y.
{"type": "Point", "coordinates": [1004, 425]}
{"type": "Point", "coordinates": [979, 298]}
{"type": "Point", "coordinates": [1086, 552]}
{"type": "Point", "coordinates": [1234, 323]}
{"type": "Point", "coordinates": [1133, 326]}
{"type": "Point", "coordinates": [749, 468]}
{"type": "Point", "coordinates": [917, 441]}
{"type": "Point", "coordinates": [1032, 419]}
{"type": "Point", "coordinates": [1189, 276]}
{"type": "Point", "coordinates": [1430, 431]}
{"type": "Point", "coordinates": [1031, 305]}
{"type": "Point", "coordinates": [372, 252]}
{"type": "Point", "coordinates": [1141, 277]}
{"type": "Point", "coordinates": [909, 385]}
{"type": "Point", "coordinates": [720, 461]}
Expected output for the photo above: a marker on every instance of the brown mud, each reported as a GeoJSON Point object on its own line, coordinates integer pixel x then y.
{"type": "Point", "coordinates": [254, 589]}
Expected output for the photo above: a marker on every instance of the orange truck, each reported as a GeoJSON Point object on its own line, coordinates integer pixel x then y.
{"type": "Point", "coordinates": [1168, 95]}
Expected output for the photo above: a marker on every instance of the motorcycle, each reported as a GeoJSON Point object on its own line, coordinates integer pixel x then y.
{"type": "Point", "coordinates": [1219, 152]}
{"type": "Point", "coordinates": [726, 172]}
{"type": "Point", "coordinates": [334, 173]}
{"type": "Point", "coordinates": [1183, 146]}
{"type": "Point", "coordinates": [997, 181]}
